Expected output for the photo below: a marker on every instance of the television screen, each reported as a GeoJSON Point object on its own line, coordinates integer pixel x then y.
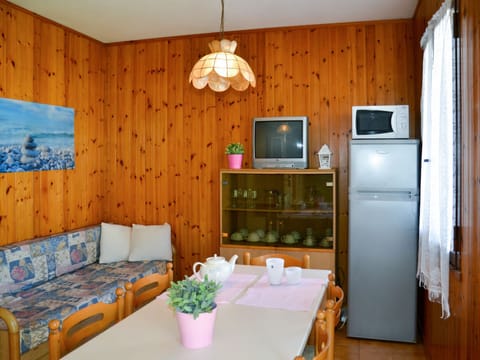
{"type": "Point", "coordinates": [275, 139]}
{"type": "Point", "coordinates": [280, 142]}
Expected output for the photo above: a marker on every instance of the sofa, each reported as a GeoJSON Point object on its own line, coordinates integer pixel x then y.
{"type": "Point", "coordinates": [54, 276]}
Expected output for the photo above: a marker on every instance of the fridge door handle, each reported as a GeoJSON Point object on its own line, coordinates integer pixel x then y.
{"type": "Point", "coordinates": [384, 195]}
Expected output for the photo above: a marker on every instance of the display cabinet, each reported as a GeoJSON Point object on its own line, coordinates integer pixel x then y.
{"type": "Point", "coordinates": [269, 210]}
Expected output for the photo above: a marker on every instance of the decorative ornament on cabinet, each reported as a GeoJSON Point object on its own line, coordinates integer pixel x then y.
{"type": "Point", "coordinates": [324, 157]}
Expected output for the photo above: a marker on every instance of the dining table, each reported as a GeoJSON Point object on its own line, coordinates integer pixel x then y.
{"type": "Point", "coordinates": [255, 320]}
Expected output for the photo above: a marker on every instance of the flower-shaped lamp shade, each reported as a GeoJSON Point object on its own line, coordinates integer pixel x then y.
{"type": "Point", "coordinates": [222, 68]}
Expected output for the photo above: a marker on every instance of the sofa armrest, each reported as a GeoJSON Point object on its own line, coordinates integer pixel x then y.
{"type": "Point", "coordinates": [13, 332]}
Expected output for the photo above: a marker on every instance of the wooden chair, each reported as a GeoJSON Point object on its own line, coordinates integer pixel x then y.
{"type": "Point", "coordinates": [13, 333]}
{"type": "Point", "coordinates": [83, 325]}
{"type": "Point", "coordinates": [146, 289]}
{"type": "Point", "coordinates": [335, 296]}
{"type": "Point", "coordinates": [322, 338]}
{"type": "Point", "coordinates": [289, 260]}
{"type": "Point", "coordinates": [335, 293]}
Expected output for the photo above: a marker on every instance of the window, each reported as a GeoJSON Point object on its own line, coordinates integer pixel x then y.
{"type": "Point", "coordinates": [455, 253]}
{"type": "Point", "coordinates": [440, 148]}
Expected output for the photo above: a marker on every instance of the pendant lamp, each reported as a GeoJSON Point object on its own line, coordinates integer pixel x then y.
{"type": "Point", "coordinates": [222, 68]}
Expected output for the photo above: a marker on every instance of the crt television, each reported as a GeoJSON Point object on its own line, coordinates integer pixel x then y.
{"type": "Point", "coordinates": [280, 142]}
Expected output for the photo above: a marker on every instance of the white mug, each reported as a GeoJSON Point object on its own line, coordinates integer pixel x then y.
{"type": "Point", "coordinates": [275, 270]}
{"type": "Point", "coordinates": [293, 274]}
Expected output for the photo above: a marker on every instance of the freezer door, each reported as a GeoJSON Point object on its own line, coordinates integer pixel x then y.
{"type": "Point", "coordinates": [384, 165]}
{"type": "Point", "coordinates": [382, 286]}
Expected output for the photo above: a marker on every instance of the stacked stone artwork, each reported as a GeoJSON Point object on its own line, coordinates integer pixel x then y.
{"type": "Point", "coordinates": [29, 154]}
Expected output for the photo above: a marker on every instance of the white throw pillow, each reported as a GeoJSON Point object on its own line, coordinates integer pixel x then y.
{"type": "Point", "coordinates": [150, 242]}
{"type": "Point", "coordinates": [114, 243]}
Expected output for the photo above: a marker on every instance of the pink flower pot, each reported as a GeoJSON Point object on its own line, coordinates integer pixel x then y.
{"type": "Point", "coordinates": [196, 333]}
{"type": "Point", "coordinates": [235, 161]}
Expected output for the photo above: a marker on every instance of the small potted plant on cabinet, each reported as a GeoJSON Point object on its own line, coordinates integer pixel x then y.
{"type": "Point", "coordinates": [235, 153]}
{"type": "Point", "coordinates": [195, 307]}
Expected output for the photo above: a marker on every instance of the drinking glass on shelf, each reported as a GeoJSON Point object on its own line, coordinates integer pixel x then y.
{"type": "Point", "coordinates": [245, 198]}
{"type": "Point", "coordinates": [272, 198]}
{"type": "Point", "coordinates": [251, 198]}
{"type": "Point", "coordinates": [234, 198]}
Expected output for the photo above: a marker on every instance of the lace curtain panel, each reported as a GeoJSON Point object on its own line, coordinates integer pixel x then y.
{"type": "Point", "coordinates": [437, 207]}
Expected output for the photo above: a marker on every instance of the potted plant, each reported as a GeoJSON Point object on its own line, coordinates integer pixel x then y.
{"type": "Point", "coordinates": [195, 307]}
{"type": "Point", "coordinates": [235, 153]}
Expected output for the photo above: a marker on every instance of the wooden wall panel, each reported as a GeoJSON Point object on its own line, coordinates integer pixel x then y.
{"type": "Point", "coordinates": [149, 146]}
{"type": "Point", "coordinates": [49, 88]}
{"type": "Point", "coordinates": [319, 71]}
{"type": "Point", "coordinates": [17, 83]}
{"type": "Point", "coordinates": [459, 336]}
{"type": "Point", "coordinates": [85, 93]}
{"type": "Point", "coordinates": [46, 63]}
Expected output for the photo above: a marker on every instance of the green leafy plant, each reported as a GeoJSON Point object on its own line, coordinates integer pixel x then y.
{"type": "Point", "coordinates": [192, 296]}
{"type": "Point", "coordinates": [234, 148]}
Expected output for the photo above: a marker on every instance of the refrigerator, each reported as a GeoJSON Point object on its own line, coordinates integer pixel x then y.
{"type": "Point", "coordinates": [383, 238]}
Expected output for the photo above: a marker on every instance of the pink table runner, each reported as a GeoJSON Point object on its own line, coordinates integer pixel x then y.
{"type": "Point", "coordinates": [238, 289]}
{"type": "Point", "coordinates": [297, 297]}
{"type": "Point", "coordinates": [230, 289]}
{"type": "Point", "coordinates": [233, 287]}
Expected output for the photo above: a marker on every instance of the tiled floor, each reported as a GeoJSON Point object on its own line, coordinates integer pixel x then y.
{"type": "Point", "coordinates": [361, 349]}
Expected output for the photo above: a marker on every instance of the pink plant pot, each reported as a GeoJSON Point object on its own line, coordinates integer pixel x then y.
{"type": "Point", "coordinates": [196, 333]}
{"type": "Point", "coordinates": [235, 161]}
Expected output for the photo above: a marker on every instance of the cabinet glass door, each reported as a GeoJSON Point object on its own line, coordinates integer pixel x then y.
{"type": "Point", "coordinates": [291, 209]}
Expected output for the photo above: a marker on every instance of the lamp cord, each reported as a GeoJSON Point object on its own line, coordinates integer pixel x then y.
{"type": "Point", "coordinates": [221, 22]}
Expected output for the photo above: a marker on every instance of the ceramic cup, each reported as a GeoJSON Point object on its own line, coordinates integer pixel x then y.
{"type": "Point", "coordinates": [270, 237]}
{"type": "Point", "coordinates": [288, 239]}
{"type": "Point", "coordinates": [293, 274]}
{"type": "Point", "coordinates": [275, 270]}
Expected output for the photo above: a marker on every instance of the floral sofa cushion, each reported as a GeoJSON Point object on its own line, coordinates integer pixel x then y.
{"type": "Point", "coordinates": [34, 262]}
{"type": "Point", "coordinates": [56, 299]}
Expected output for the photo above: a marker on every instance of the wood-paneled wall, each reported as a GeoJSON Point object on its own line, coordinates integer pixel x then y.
{"type": "Point", "coordinates": [43, 62]}
{"type": "Point", "coordinates": [166, 140]}
{"type": "Point", "coordinates": [149, 146]}
{"type": "Point", "coordinates": [459, 336]}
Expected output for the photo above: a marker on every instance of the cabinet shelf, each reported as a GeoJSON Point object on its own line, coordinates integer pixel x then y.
{"type": "Point", "coordinates": [274, 246]}
{"type": "Point", "coordinates": [303, 212]}
{"type": "Point", "coordinates": [269, 210]}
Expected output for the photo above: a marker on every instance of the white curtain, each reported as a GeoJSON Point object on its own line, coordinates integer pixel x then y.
{"type": "Point", "coordinates": [437, 170]}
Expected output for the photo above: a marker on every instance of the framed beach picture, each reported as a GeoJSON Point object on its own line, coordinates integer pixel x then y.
{"type": "Point", "coordinates": [35, 136]}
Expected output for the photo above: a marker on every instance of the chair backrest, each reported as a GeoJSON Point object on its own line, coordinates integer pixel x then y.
{"type": "Point", "coordinates": [289, 260]}
{"type": "Point", "coordinates": [13, 333]}
{"type": "Point", "coordinates": [322, 336]}
{"type": "Point", "coordinates": [336, 294]}
{"type": "Point", "coordinates": [83, 325]}
{"type": "Point", "coordinates": [146, 289]}
{"type": "Point", "coordinates": [330, 315]}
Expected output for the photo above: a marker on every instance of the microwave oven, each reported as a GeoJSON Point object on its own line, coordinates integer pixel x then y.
{"type": "Point", "coordinates": [380, 122]}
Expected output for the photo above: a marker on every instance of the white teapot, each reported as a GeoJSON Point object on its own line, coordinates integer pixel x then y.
{"type": "Point", "coordinates": [216, 267]}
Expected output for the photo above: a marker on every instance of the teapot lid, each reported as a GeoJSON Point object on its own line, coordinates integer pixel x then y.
{"type": "Point", "coordinates": [216, 258]}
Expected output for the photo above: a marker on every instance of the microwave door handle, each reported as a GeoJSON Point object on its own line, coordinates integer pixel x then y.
{"type": "Point", "coordinates": [393, 123]}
